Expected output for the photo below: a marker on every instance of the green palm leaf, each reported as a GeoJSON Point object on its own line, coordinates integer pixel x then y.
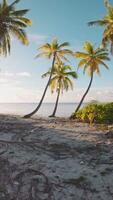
{"type": "Point", "coordinates": [107, 22]}
{"type": "Point", "coordinates": [20, 13]}
{"type": "Point", "coordinates": [81, 55]}
{"type": "Point", "coordinates": [91, 58]}
{"type": "Point", "coordinates": [12, 22]}
{"type": "Point", "coordinates": [98, 23]}
{"type": "Point", "coordinates": [88, 47]}
{"type": "Point", "coordinates": [65, 44]}
{"type": "Point", "coordinates": [62, 74]}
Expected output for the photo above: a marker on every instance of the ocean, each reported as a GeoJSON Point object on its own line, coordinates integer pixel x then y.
{"type": "Point", "coordinates": [64, 109]}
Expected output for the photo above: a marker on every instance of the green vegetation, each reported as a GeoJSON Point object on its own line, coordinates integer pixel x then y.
{"type": "Point", "coordinates": [91, 60]}
{"type": "Point", "coordinates": [57, 52]}
{"type": "Point", "coordinates": [95, 113]}
{"type": "Point", "coordinates": [107, 22]}
{"type": "Point", "coordinates": [12, 22]}
{"type": "Point", "coordinates": [60, 81]}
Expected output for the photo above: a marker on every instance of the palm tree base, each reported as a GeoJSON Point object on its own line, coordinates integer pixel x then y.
{"type": "Point", "coordinates": [26, 116]}
{"type": "Point", "coordinates": [52, 116]}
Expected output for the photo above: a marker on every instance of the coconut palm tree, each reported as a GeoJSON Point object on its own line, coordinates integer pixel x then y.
{"type": "Point", "coordinates": [56, 52]}
{"type": "Point", "coordinates": [60, 81]}
{"type": "Point", "coordinates": [91, 60]}
{"type": "Point", "coordinates": [12, 22]}
{"type": "Point", "coordinates": [107, 23]}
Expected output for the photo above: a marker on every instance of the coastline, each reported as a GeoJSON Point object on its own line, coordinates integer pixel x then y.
{"type": "Point", "coordinates": [44, 158]}
{"type": "Point", "coordinates": [64, 109]}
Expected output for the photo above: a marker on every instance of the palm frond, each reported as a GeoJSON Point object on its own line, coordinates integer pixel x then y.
{"type": "Point", "coordinates": [86, 66]}
{"type": "Point", "coordinates": [45, 47]}
{"type": "Point", "coordinates": [46, 74]}
{"type": "Point", "coordinates": [103, 57]}
{"type": "Point", "coordinates": [61, 77]}
{"type": "Point", "coordinates": [27, 21]}
{"type": "Point", "coordinates": [65, 44]}
{"type": "Point", "coordinates": [98, 71]}
{"type": "Point", "coordinates": [72, 74]}
{"type": "Point", "coordinates": [15, 2]}
{"type": "Point", "coordinates": [81, 54]}
{"type": "Point", "coordinates": [103, 63]}
{"type": "Point", "coordinates": [43, 54]}
{"type": "Point", "coordinates": [66, 52]}
{"type": "Point", "coordinates": [20, 13]}
{"type": "Point", "coordinates": [88, 47]}
{"type": "Point", "coordinates": [82, 63]}
{"type": "Point", "coordinates": [20, 34]}
{"type": "Point", "coordinates": [62, 57]}
{"type": "Point", "coordinates": [66, 67]}
{"type": "Point", "coordinates": [98, 23]}
{"type": "Point", "coordinates": [14, 23]}
{"type": "Point", "coordinates": [69, 83]}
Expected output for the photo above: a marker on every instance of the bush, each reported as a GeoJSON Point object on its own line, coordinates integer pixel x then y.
{"type": "Point", "coordinates": [95, 113]}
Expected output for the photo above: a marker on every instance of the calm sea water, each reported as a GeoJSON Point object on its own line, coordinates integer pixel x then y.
{"type": "Point", "coordinates": [64, 109]}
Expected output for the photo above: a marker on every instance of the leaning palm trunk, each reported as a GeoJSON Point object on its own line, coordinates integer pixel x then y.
{"type": "Point", "coordinates": [40, 103]}
{"type": "Point", "coordinates": [56, 104]}
{"type": "Point", "coordinates": [90, 83]}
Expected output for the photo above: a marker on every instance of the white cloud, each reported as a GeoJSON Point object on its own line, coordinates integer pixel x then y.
{"type": "Point", "coordinates": [99, 94]}
{"type": "Point", "coordinates": [104, 94]}
{"type": "Point", "coordinates": [24, 74]}
{"type": "Point", "coordinates": [4, 75]}
{"type": "Point", "coordinates": [3, 80]}
{"type": "Point", "coordinates": [13, 90]}
{"type": "Point", "coordinates": [37, 38]}
{"type": "Point", "coordinates": [14, 93]}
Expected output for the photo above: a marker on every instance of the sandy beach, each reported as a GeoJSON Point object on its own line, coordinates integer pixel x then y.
{"type": "Point", "coordinates": [55, 159]}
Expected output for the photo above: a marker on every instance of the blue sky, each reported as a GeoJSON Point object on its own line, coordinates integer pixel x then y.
{"type": "Point", "coordinates": [66, 20]}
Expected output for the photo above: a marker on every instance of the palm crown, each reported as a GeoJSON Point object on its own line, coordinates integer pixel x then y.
{"type": "Point", "coordinates": [57, 52]}
{"type": "Point", "coordinates": [12, 22]}
{"type": "Point", "coordinates": [55, 49]}
{"type": "Point", "coordinates": [107, 22]}
{"type": "Point", "coordinates": [61, 78]}
{"type": "Point", "coordinates": [92, 58]}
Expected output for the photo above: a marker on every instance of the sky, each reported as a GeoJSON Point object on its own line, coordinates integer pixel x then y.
{"type": "Point", "coordinates": [66, 20]}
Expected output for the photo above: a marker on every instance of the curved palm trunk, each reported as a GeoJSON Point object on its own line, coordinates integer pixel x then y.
{"type": "Point", "coordinates": [40, 103]}
{"type": "Point", "coordinates": [90, 83]}
{"type": "Point", "coordinates": [56, 104]}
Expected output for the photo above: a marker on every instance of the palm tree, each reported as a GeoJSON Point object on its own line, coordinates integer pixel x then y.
{"type": "Point", "coordinates": [107, 22]}
{"type": "Point", "coordinates": [60, 81]}
{"type": "Point", "coordinates": [12, 22]}
{"type": "Point", "coordinates": [56, 52]}
{"type": "Point", "coordinates": [91, 60]}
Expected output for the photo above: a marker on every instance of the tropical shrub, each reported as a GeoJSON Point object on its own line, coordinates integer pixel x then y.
{"type": "Point", "coordinates": [95, 113]}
